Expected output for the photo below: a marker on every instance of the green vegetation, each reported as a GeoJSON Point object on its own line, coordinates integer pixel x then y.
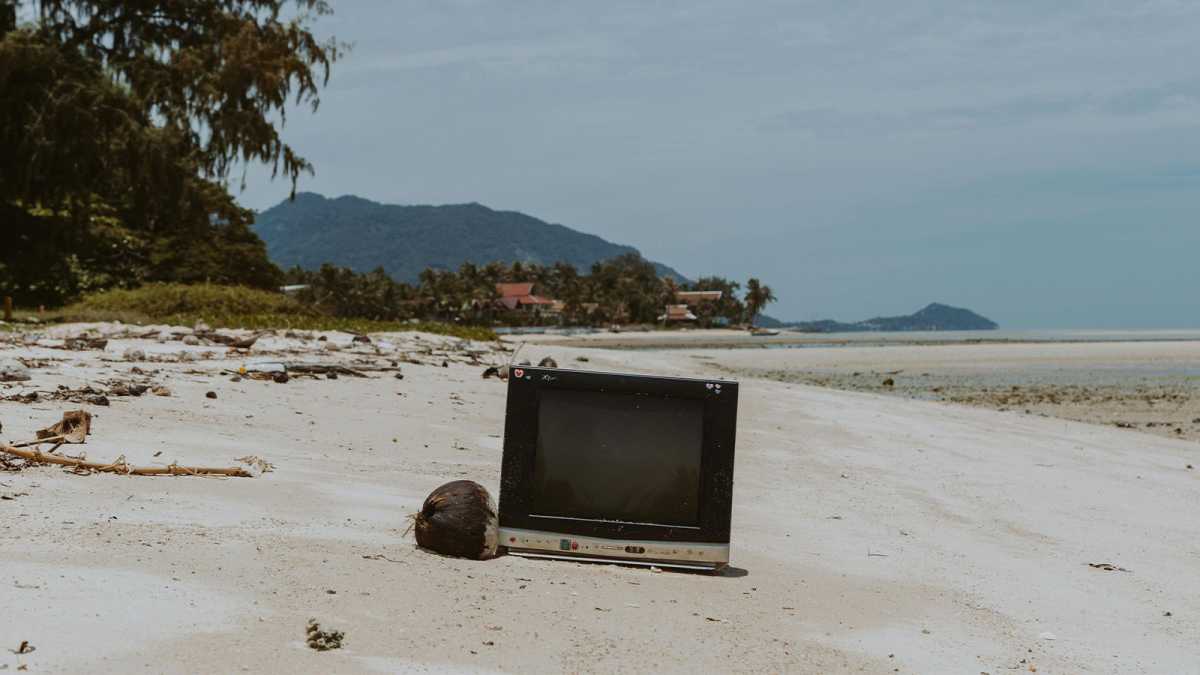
{"type": "Point", "coordinates": [120, 123]}
{"type": "Point", "coordinates": [758, 295]}
{"type": "Point", "coordinates": [625, 289]}
{"type": "Point", "coordinates": [234, 307]}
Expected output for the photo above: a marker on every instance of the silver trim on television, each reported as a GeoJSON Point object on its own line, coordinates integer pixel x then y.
{"type": "Point", "coordinates": [688, 555]}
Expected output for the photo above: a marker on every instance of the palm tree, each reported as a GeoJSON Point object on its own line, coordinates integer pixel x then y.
{"type": "Point", "coordinates": [758, 295]}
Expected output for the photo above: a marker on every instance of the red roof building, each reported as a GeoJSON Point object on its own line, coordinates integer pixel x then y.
{"type": "Point", "coordinates": [520, 296]}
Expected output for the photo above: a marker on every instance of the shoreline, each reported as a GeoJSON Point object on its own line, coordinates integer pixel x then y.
{"type": "Point", "coordinates": [734, 339]}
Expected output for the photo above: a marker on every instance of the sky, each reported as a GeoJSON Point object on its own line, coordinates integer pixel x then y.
{"type": "Point", "coordinates": [1037, 162]}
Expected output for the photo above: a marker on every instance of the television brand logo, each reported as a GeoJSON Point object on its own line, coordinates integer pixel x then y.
{"type": "Point", "coordinates": [519, 372]}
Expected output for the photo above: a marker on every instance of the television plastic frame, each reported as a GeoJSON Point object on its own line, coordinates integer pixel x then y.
{"type": "Point", "coordinates": [702, 547]}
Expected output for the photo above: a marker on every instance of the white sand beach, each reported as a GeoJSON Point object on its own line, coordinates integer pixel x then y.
{"type": "Point", "coordinates": [870, 533]}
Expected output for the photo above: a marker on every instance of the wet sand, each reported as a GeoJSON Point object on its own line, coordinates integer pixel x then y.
{"type": "Point", "coordinates": [1152, 387]}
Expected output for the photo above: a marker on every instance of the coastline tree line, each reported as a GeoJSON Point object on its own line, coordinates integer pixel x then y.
{"type": "Point", "coordinates": [625, 289]}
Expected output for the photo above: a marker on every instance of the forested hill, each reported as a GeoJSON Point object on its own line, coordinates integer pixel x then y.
{"type": "Point", "coordinates": [363, 235]}
{"type": "Point", "coordinates": [934, 316]}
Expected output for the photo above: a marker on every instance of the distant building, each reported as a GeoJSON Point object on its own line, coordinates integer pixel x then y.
{"type": "Point", "coordinates": [687, 300]}
{"type": "Point", "coordinates": [677, 313]}
{"type": "Point", "coordinates": [696, 297]}
{"type": "Point", "coordinates": [520, 296]}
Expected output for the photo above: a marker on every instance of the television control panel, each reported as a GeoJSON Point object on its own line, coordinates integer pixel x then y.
{"type": "Point", "coordinates": [683, 554]}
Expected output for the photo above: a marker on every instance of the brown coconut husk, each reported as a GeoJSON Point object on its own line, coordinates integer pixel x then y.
{"type": "Point", "coordinates": [458, 519]}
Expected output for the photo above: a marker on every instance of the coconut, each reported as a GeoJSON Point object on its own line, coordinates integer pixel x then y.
{"type": "Point", "coordinates": [458, 519]}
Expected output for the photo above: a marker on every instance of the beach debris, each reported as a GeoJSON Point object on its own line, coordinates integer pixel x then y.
{"type": "Point", "coordinates": [23, 648]}
{"type": "Point", "coordinates": [243, 343]}
{"type": "Point", "coordinates": [74, 427]}
{"type": "Point", "coordinates": [495, 371]}
{"type": "Point", "coordinates": [258, 465]}
{"type": "Point", "coordinates": [548, 362]}
{"type": "Point", "coordinates": [262, 370]}
{"type": "Point", "coordinates": [85, 394]}
{"type": "Point", "coordinates": [82, 342]}
{"type": "Point", "coordinates": [363, 339]}
{"type": "Point", "coordinates": [190, 340]}
{"type": "Point", "coordinates": [160, 390]}
{"type": "Point", "coordinates": [889, 382]}
{"type": "Point", "coordinates": [380, 556]}
{"type": "Point", "coordinates": [280, 378]}
{"type": "Point", "coordinates": [458, 519]}
{"type": "Point", "coordinates": [1047, 635]}
{"type": "Point", "coordinates": [119, 388]}
{"type": "Point", "coordinates": [322, 640]}
{"type": "Point", "coordinates": [1108, 567]}
{"type": "Point", "coordinates": [582, 359]}
{"type": "Point", "coordinates": [82, 466]}
{"type": "Point", "coordinates": [14, 372]}
{"type": "Point", "coordinates": [134, 354]}
{"type": "Point", "coordinates": [210, 394]}
{"type": "Point", "coordinates": [327, 369]}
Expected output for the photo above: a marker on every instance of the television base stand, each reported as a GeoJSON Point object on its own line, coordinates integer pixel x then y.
{"type": "Point", "coordinates": [711, 568]}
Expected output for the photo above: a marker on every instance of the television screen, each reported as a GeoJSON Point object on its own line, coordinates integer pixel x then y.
{"type": "Point", "coordinates": [618, 456]}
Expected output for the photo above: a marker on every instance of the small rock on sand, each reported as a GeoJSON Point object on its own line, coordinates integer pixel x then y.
{"type": "Point", "coordinates": [211, 394]}
{"type": "Point", "coordinates": [14, 372]}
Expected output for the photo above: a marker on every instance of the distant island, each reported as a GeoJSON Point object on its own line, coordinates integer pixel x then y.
{"type": "Point", "coordinates": [364, 235]}
{"type": "Point", "coordinates": [934, 317]}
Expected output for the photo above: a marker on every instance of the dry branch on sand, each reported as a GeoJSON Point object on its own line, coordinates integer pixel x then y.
{"type": "Point", "coordinates": [74, 428]}
{"type": "Point", "coordinates": [121, 466]}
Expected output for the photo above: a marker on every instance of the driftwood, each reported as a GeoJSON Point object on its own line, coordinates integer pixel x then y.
{"type": "Point", "coordinates": [121, 466]}
{"type": "Point", "coordinates": [325, 369]}
{"type": "Point", "coordinates": [230, 341]}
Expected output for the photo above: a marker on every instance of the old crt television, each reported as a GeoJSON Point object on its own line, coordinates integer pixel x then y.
{"type": "Point", "coordinates": [619, 468]}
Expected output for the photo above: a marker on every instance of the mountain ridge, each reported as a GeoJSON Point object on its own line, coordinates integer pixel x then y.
{"type": "Point", "coordinates": [933, 317]}
{"type": "Point", "coordinates": [362, 234]}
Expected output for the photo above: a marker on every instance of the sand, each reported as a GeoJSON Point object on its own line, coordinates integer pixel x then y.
{"type": "Point", "coordinates": [871, 532]}
{"type": "Point", "coordinates": [1150, 386]}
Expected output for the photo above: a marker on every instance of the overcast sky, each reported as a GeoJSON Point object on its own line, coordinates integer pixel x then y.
{"type": "Point", "coordinates": [1037, 162]}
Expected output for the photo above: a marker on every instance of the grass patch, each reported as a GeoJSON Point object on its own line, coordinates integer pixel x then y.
{"type": "Point", "coordinates": [234, 307]}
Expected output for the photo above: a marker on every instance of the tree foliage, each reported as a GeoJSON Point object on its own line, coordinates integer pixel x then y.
{"type": "Point", "coordinates": [758, 295]}
{"type": "Point", "coordinates": [624, 289]}
{"type": "Point", "coordinates": [121, 122]}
